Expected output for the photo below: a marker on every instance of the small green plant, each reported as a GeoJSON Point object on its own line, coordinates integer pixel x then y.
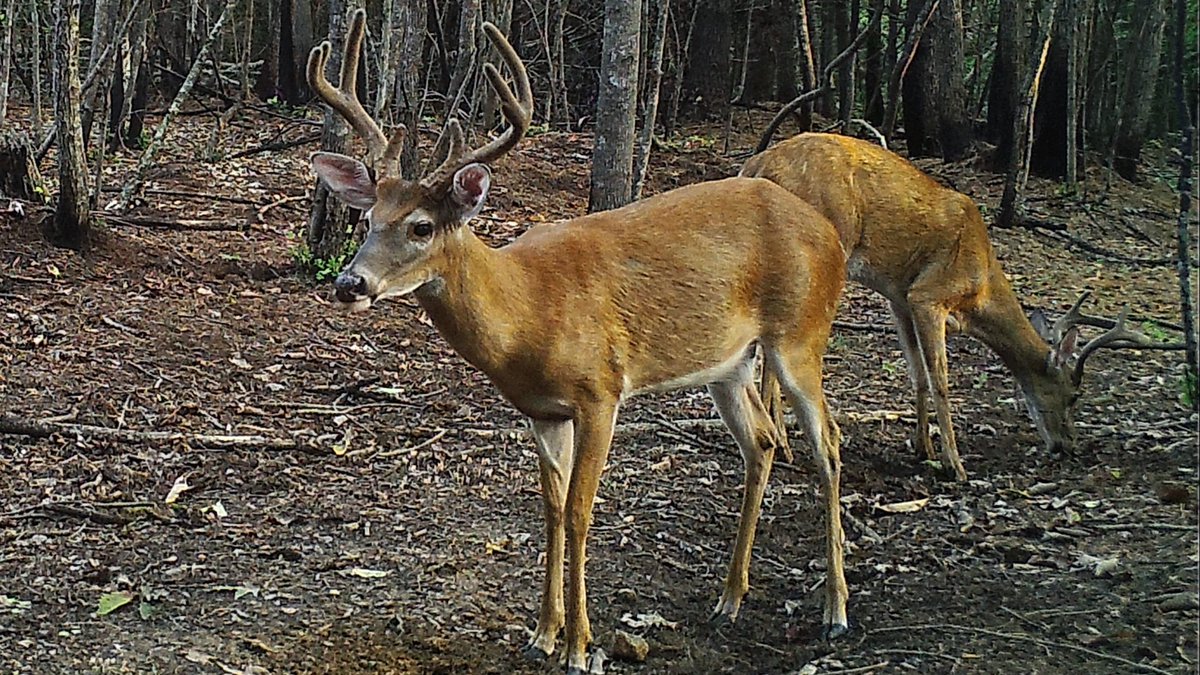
{"type": "Point", "coordinates": [1154, 331]}
{"type": "Point", "coordinates": [981, 380]}
{"type": "Point", "coordinates": [538, 129]}
{"type": "Point", "coordinates": [893, 368]}
{"type": "Point", "coordinates": [1188, 389]}
{"type": "Point", "coordinates": [322, 269]}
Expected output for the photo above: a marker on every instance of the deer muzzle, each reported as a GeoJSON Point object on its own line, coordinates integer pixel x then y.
{"type": "Point", "coordinates": [350, 288]}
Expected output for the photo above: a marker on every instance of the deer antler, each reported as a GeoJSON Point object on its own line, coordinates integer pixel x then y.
{"type": "Point", "coordinates": [382, 154]}
{"type": "Point", "coordinates": [517, 109]}
{"type": "Point", "coordinates": [1117, 337]}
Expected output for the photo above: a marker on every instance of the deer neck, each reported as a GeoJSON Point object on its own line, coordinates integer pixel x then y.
{"type": "Point", "coordinates": [1001, 324]}
{"type": "Point", "coordinates": [478, 303]}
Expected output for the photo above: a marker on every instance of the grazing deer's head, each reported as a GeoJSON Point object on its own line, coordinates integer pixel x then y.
{"type": "Point", "coordinates": [411, 221]}
{"type": "Point", "coordinates": [1053, 398]}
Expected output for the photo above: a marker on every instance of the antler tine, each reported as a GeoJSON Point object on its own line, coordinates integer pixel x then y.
{"type": "Point", "coordinates": [1118, 337]}
{"type": "Point", "coordinates": [344, 98]}
{"type": "Point", "coordinates": [449, 144]}
{"type": "Point", "coordinates": [1073, 316]}
{"type": "Point", "coordinates": [517, 109]}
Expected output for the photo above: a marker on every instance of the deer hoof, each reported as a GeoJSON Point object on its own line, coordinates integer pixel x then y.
{"type": "Point", "coordinates": [834, 631]}
{"type": "Point", "coordinates": [595, 664]}
{"type": "Point", "coordinates": [532, 652]}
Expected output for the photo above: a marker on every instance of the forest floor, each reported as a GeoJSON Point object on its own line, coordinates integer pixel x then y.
{"type": "Point", "coordinates": [404, 533]}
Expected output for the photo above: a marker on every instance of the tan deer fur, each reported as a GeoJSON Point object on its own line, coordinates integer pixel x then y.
{"type": "Point", "coordinates": [571, 319]}
{"type": "Point", "coordinates": [925, 248]}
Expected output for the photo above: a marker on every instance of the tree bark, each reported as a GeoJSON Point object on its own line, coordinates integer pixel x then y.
{"type": "Point", "coordinates": [560, 108]}
{"type": "Point", "coordinates": [71, 225]}
{"type": "Point", "coordinates": [103, 24]}
{"type": "Point", "coordinates": [331, 222]}
{"type": "Point", "coordinates": [1143, 48]}
{"type": "Point", "coordinates": [1182, 238]}
{"type": "Point", "coordinates": [650, 106]}
{"type": "Point", "coordinates": [612, 156]}
{"type": "Point", "coordinates": [874, 69]}
{"type": "Point", "coordinates": [464, 63]}
{"type": "Point", "coordinates": [1073, 20]}
{"type": "Point", "coordinates": [499, 12]}
{"type": "Point", "coordinates": [918, 19]}
{"type": "Point", "coordinates": [935, 119]}
{"type": "Point", "coordinates": [36, 94]}
{"type": "Point", "coordinates": [19, 176]}
{"type": "Point", "coordinates": [808, 63]}
{"type": "Point", "coordinates": [6, 57]}
{"type": "Point", "coordinates": [1011, 201]}
{"type": "Point", "coordinates": [847, 30]}
{"type": "Point", "coordinates": [408, 39]}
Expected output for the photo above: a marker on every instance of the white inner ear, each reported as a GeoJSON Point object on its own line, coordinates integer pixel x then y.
{"type": "Point", "coordinates": [469, 199]}
{"type": "Point", "coordinates": [347, 178]}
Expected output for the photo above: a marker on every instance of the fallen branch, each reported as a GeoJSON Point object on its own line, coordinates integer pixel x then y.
{"type": "Point", "coordinates": [262, 212]}
{"type": "Point", "coordinates": [86, 514]}
{"type": "Point", "coordinates": [1071, 239]}
{"type": "Point", "coordinates": [183, 224]}
{"type": "Point", "coordinates": [188, 194]}
{"type": "Point", "coordinates": [17, 426]}
{"type": "Point", "coordinates": [277, 146]}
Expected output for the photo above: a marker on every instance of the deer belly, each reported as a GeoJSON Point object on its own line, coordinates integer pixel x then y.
{"type": "Point", "coordinates": [660, 379]}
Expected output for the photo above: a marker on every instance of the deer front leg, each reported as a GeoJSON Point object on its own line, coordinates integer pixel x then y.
{"type": "Point", "coordinates": [555, 444]}
{"type": "Point", "coordinates": [930, 324]}
{"type": "Point", "coordinates": [593, 436]}
{"type": "Point", "coordinates": [742, 411]}
{"type": "Point", "coordinates": [919, 375]}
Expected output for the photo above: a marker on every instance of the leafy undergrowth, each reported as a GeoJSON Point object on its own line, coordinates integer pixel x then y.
{"type": "Point", "coordinates": [404, 536]}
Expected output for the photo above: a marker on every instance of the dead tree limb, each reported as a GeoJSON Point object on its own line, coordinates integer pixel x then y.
{"type": "Point", "coordinates": [822, 89]}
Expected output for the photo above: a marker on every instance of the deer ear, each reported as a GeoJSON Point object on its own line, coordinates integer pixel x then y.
{"type": "Point", "coordinates": [347, 177]}
{"type": "Point", "coordinates": [1038, 318]}
{"type": "Point", "coordinates": [1062, 352]}
{"type": "Point", "coordinates": [470, 189]}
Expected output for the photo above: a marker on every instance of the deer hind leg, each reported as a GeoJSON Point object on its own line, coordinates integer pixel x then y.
{"type": "Point", "coordinates": [772, 400]}
{"type": "Point", "coordinates": [930, 324]}
{"type": "Point", "coordinates": [799, 371]}
{"type": "Point", "coordinates": [555, 440]}
{"type": "Point", "coordinates": [919, 375]}
{"type": "Point", "coordinates": [593, 437]}
{"type": "Point", "coordinates": [742, 411]}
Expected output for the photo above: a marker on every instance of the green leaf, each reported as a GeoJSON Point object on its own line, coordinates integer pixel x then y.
{"type": "Point", "coordinates": [110, 602]}
{"type": "Point", "coordinates": [147, 611]}
{"type": "Point", "coordinates": [13, 605]}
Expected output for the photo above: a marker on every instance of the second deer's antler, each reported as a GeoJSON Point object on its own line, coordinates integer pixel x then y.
{"type": "Point", "coordinates": [517, 109]}
{"type": "Point", "coordinates": [1116, 337]}
{"type": "Point", "coordinates": [382, 154]}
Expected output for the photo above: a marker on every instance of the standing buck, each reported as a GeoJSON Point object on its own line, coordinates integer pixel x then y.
{"type": "Point", "coordinates": [571, 319]}
{"type": "Point", "coordinates": [925, 248]}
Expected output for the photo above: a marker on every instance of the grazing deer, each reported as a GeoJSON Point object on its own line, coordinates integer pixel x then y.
{"type": "Point", "coordinates": [925, 248]}
{"type": "Point", "coordinates": [571, 319]}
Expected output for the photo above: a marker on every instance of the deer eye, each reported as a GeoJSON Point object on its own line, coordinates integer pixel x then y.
{"type": "Point", "coordinates": [422, 228]}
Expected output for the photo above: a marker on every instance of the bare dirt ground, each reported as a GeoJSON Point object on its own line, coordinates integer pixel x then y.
{"type": "Point", "coordinates": [403, 534]}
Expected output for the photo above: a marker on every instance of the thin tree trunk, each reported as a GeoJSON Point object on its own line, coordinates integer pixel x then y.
{"type": "Point", "coordinates": [873, 72]}
{"type": "Point", "coordinates": [808, 64]}
{"type": "Point", "coordinates": [1011, 201]}
{"type": "Point", "coordinates": [6, 57]}
{"type": "Point", "coordinates": [707, 82]}
{"type": "Point", "coordinates": [464, 63]}
{"type": "Point", "coordinates": [387, 71]}
{"type": "Point", "coordinates": [560, 108]}
{"type": "Point", "coordinates": [916, 27]}
{"type": "Point", "coordinates": [331, 221]}
{"type": "Point", "coordinates": [71, 225]}
{"type": "Point", "coordinates": [246, 47]}
{"type": "Point", "coordinates": [1008, 66]}
{"type": "Point", "coordinates": [1071, 16]}
{"type": "Point", "coordinates": [616, 107]}
{"type": "Point", "coordinates": [1182, 239]}
{"type": "Point", "coordinates": [103, 42]}
{"type": "Point", "coordinates": [408, 92]}
{"type": "Point", "coordinates": [137, 55]}
{"type": "Point", "coordinates": [739, 92]}
{"type": "Point", "coordinates": [1143, 54]}
{"type": "Point", "coordinates": [654, 75]}
{"type": "Point", "coordinates": [36, 28]}
{"type": "Point", "coordinates": [499, 12]}
{"type": "Point", "coordinates": [135, 181]}
{"type": "Point", "coordinates": [847, 30]}
{"type": "Point", "coordinates": [680, 74]}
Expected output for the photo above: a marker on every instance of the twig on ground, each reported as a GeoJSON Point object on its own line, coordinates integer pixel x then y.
{"type": "Point", "coordinates": [954, 628]}
{"type": "Point", "coordinates": [13, 425]}
{"type": "Point", "coordinates": [189, 194]}
{"type": "Point", "coordinates": [277, 146]}
{"type": "Point", "coordinates": [425, 443]}
{"type": "Point", "coordinates": [262, 211]}
{"type": "Point", "coordinates": [182, 224]}
{"type": "Point", "coordinates": [86, 514]}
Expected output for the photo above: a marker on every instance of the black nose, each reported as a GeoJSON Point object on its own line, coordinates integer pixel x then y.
{"type": "Point", "coordinates": [349, 287]}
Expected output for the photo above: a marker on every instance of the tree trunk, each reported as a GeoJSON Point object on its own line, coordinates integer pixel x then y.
{"type": "Point", "coordinates": [1073, 19]}
{"type": "Point", "coordinates": [464, 64]}
{"type": "Point", "coordinates": [650, 106]}
{"type": "Point", "coordinates": [847, 30]}
{"type": "Point", "coordinates": [560, 109]}
{"type": "Point", "coordinates": [1182, 238]}
{"type": "Point", "coordinates": [287, 85]}
{"type": "Point", "coordinates": [71, 225]}
{"type": "Point", "coordinates": [679, 67]}
{"type": "Point", "coordinates": [19, 177]}
{"type": "Point", "coordinates": [6, 56]}
{"type": "Point", "coordinates": [108, 13]}
{"type": "Point", "coordinates": [331, 222]}
{"type": "Point", "coordinates": [408, 39]}
{"type": "Point", "coordinates": [918, 19]}
{"type": "Point", "coordinates": [707, 80]}
{"type": "Point", "coordinates": [36, 26]}
{"type": "Point", "coordinates": [1011, 201]}
{"type": "Point", "coordinates": [499, 12]}
{"type": "Point", "coordinates": [874, 68]}
{"type": "Point", "coordinates": [1004, 95]}
{"type": "Point", "coordinates": [1145, 42]}
{"type": "Point", "coordinates": [302, 43]}
{"type": "Point", "coordinates": [808, 63]}
{"type": "Point", "coordinates": [612, 156]}
{"type": "Point", "coordinates": [137, 64]}
{"type": "Point", "coordinates": [827, 15]}
{"type": "Point", "coordinates": [936, 118]}
{"type": "Point", "coordinates": [267, 84]}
